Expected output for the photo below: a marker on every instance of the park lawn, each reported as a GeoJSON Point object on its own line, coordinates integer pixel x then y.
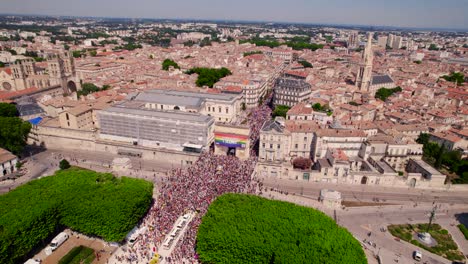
{"type": "Point", "coordinates": [78, 255]}
{"type": "Point", "coordinates": [445, 247]}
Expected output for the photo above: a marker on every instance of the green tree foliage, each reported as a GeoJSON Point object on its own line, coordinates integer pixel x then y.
{"type": "Point", "coordinates": [13, 134]}
{"type": "Point", "coordinates": [457, 77]}
{"type": "Point", "coordinates": [129, 46]}
{"type": "Point", "coordinates": [89, 88]}
{"type": "Point", "coordinates": [8, 110]}
{"type": "Point", "coordinates": [2, 64]}
{"type": "Point", "coordinates": [248, 229]}
{"type": "Point", "coordinates": [354, 103]}
{"type": "Point", "coordinates": [417, 61]}
{"type": "Point", "coordinates": [305, 64]}
{"type": "Point", "coordinates": [384, 93]}
{"type": "Point", "coordinates": [208, 76]}
{"type": "Point", "coordinates": [189, 43]}
{"type": "Point", "coordinates": [322, 108]}
{"type": "Point", "coordinates": [440, 157]}
{"type": "Point", "coordinates": [433, 47]}
{"type": "Point", "coordinates": [281, 110]}
{"type": "Point", "coordinates": [248, 53]}
{"type": "Point", "coordinates": [78, 53]}
{"type": "Point", "coordinates": [93, 53]}
{"type": "Point", "coordinates": [168, 63]}
{"type": "Point", "coordinates": [13, 52]}
{"type": "Point", "coordinates": [205, 42]}
{"type": "Point", "coordinates": [64, 164]}
{"type": "Point", "coordinates": [96, 204]}
{"type": "Point", "coordinates": [295, 44]}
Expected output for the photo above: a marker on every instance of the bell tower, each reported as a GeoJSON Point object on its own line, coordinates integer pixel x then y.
{"type": "Point", "coordinates": [364, 75]}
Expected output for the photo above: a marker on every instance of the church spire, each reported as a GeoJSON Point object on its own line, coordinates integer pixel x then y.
{"type": "Point", "coordinates": [364, 76]}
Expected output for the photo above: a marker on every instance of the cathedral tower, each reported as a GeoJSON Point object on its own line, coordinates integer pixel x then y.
{"type": "Point", "coordinates": [364, 75]}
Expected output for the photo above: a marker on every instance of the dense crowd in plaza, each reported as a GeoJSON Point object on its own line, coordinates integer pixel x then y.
{"type": "Point", "coordinates": [194, 189]}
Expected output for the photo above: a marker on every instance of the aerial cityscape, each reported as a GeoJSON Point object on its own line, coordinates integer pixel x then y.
{"type": "Point", "coordinates": [222, 132]}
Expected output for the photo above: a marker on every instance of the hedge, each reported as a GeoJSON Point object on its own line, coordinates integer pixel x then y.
{"type": "Point", "coordinates": [95, 204]}
{"type": "Point", "coordinates": [78, 254]}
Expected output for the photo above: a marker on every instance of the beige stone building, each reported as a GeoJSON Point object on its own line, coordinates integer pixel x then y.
{"type": "Point", "coordinates": [7, 162]}
{"type": "Point", "coordinates": [58, 70]}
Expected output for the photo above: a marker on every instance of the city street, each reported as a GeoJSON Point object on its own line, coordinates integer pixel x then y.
{"type": "Point", "coordinates": [368, 192]}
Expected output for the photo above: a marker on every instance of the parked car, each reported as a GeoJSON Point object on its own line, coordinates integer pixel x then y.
{"type": "Point", "coordinates": [417, 255]}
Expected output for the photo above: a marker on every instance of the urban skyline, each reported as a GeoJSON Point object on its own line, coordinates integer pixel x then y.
{"type": "Point", "coordinates": [416, 14]}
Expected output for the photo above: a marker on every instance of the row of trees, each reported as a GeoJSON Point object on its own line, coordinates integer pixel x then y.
{"type": "Point", "coordinates": [169, 63]}
{"type": "Point", "coordinates": [248, 53]}
{"type": "Point", "coordinates": [384, 93]}
{"type": "Point", "coordinates": [296, 44]}
{"type": "Point", "coordinates": [442, 158]}
{"type": "Point", "coordinates": [208, 76]}
{"type": "Point", "coordinates": [13, 130]}
{"type": "Point", "coordinates": [95, 204]}
{"type": "Point", "coordinates": [248, 229]}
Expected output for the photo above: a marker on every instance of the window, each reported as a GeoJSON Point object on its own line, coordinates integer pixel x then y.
{"type": "Point", "coordinates": [263, 145]}
{"type": "Point", "coordinates": [296, 146]}
{"type": "Point", "coordinates": [271, 146]}
{"type": "Point", "coordinates": [68, 118]}
{"type": "Point", "coordinates": [305, 138]}
{"type": "Point", "coordinates": [279, 146]}
{"type": "Point", "coordinates": [306, 176]}
{"type": "Point", "coordinates": [227, 110]}
{"type": "Point", "coordinates": [219, 108]}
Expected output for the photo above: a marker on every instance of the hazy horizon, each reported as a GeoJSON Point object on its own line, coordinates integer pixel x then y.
{"type": "Point", "coordinates": [449, 14]}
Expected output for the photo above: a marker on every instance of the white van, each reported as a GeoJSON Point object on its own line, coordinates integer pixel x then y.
{"type": "Point", "coordinates": [417, 255]}
{"type": "Point", "coordinates": [58, 240]}
{"type": "Point", "coordinates": [135, 234]}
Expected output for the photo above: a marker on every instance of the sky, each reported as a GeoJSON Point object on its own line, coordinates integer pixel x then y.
{"type": "Point", "coordinates": [400, 13]}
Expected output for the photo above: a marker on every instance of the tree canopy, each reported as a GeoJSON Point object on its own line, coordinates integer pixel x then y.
{"type": "Point", "coordinates": [295, 43]}
{"type": "Point", "coordinates": [92, 203]}
{"type": "Point", "coordinates": [384, 93]}
{"type": "Point", "coordinates": [208, 76]}
{"type": "Point", "coordinates": [13, 130]}
{"type": "Point", "coordinates": [248, 229]}
{"type": "Point", "coordinates": [168, 63]}
{"type": "Point", "coordinates": [456, 77]}
{"type": "Point", "coordinates": [89, 88]}
{"type": "Point", "coordinates": [8, 110]}
{"type": "Point", "coordinates": [248, 53]}
{"type": "Point", "coordinates": [322, 108]}
{"type": "Point", "coordinates": [281, 110]}
{"type": "Point", "coordinates": [440, 157]}
{"type": "Point", "coordinates": [305, 64]}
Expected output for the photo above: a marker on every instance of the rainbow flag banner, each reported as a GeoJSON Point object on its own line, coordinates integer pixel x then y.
{"type": "Point", "coordinates": [230, 140]}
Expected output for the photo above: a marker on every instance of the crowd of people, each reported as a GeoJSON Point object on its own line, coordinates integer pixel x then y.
{"type": "Point", "coordinates": [193, 190]}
